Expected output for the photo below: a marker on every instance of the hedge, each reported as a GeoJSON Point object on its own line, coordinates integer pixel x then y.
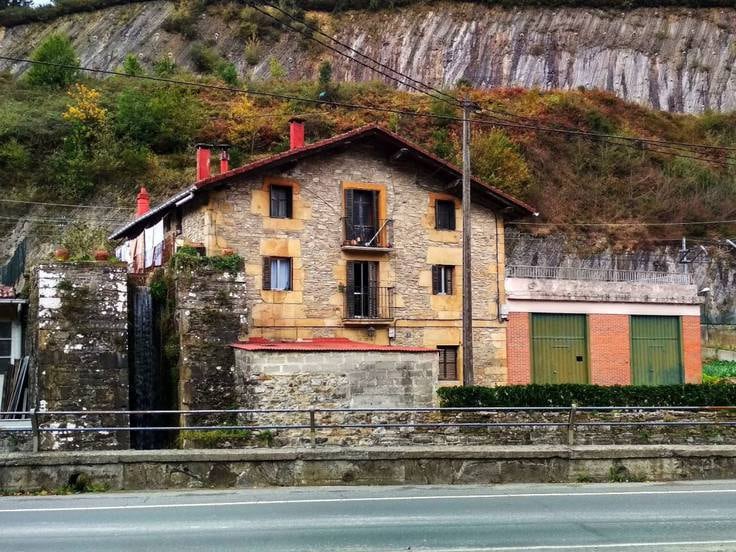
{"type": "Point", "coordinates": [721, 394]}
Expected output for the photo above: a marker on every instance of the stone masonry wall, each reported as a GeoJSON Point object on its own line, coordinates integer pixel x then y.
{"type": "Point", "coordinates": [238, 217]}
{"type": "Point", "coordinates": [78, 335]}
{"type": "Point", "coordinates": [212, 313]}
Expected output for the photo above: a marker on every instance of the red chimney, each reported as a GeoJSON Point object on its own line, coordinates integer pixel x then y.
{"type": "Point", "coordinates": [224, 161]}
{"type": "Point", "coordinates": [203, 161]}
{"type": "Point", "coordinates": [296, 133]}
{"type": "Point", "coordinates": [143, 202]}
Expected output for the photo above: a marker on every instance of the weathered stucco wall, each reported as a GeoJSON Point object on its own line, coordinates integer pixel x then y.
{"type": "Point", "coordinates": [78, 334]}
{"type": "Point", "coordinates": [238, 217]}
{"type": "Point", "coordinates": [669, 58]}
{"type": "Point", "coordinates": [211, 310]}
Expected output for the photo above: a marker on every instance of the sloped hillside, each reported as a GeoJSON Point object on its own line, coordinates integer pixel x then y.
{"type": "Point", "coordinates": [669, 58]}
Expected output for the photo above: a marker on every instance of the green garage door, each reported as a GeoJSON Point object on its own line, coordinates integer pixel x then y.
{"type": "Point", "coordinates": [655, 350]}
{"type": "Point", "coordinates": [559, 348]}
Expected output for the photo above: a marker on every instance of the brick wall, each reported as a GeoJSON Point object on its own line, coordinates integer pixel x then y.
{"type": "Point", "coordinates": [519, 348]}
{"type": "Point", "coordinates": [691, 349]}
{"type": "Point", "coordinates": [610, 349]}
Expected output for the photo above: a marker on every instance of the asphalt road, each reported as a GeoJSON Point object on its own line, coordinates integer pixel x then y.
{"type": "Point", "coordinates": [680, 516]}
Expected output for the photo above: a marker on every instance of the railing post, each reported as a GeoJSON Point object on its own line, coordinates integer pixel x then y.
{"type": "Point", "coordinates": [34, 428]}
{"type": "Point", "coordinates": [571, 425]}
{"type": "Point", "coordinates": [312, 427]}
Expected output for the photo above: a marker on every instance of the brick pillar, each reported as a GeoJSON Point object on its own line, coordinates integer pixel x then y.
{"type": "Point", "coordinates": [692, 358]}
{"type": "Point", "coordinates": [610, 349]}
{"type": "Point", "coordinates": [518, 349]}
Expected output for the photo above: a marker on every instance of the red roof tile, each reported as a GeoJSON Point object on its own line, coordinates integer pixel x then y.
{"type": "Point", "coordinates": [326, 344]}
{"type": "Point", "coordinates": [310, 149]}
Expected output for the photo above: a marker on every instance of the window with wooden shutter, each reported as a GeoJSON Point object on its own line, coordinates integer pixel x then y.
{"type": "Point", "coordinates": [442, 279]}
{"type": "Point", "coordinates": [266, 273]}
{"type": "Point", "coordinates": [444, 214]}
{"type": "Point", "coordinates": [448, 362]}
{"type": "Point", "coordinates": [281, 201]}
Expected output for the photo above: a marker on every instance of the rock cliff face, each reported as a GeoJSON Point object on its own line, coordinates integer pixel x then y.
{"type": "Point", "coordinates": [671, 59]}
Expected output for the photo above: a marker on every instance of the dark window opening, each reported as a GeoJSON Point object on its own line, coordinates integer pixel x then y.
{"type": "Point", "coordinates": [448, 362]}
{"type": "Point", "coordinates": [281, 201]}
{"type": "Point", "coordinates": [442, 279]}
{"type": "Point", "coordinates": [444, 212]}
{"type": "Point", "coordinates": [362, 292]}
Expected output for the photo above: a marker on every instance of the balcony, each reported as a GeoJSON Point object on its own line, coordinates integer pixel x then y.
{"type": "Point", "coordinates": [369, 305]}
{"type": "Point", "coordinates": [597, 274]}
{"type": "Point", "coordinates": [378, 238]}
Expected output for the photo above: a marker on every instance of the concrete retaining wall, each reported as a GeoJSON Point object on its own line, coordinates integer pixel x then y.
{"type": "Point", "coordinates": [131, 470]}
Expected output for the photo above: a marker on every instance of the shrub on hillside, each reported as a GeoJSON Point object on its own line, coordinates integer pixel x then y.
{"type": "Point", "coordinates": [497, 161]}
{"type": "Point", "coordinates": [589, 395]}
{"type": "Point", "coordinates": [162, 118]}
{"type": "Point", "coordinates": [56, 49]}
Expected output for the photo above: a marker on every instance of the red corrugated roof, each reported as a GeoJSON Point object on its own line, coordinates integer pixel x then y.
{"type": "Point", "coordinates": [310, 149]}
{"type": "Point", "coordinates": [323, 344]}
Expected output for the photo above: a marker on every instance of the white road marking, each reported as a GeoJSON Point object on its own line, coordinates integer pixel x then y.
{"type": "Point", "coordinates": [587, 546]}
{"type": "Point", "coordinates": [361, 499]}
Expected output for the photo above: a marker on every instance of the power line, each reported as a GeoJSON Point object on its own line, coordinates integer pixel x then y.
{"type": "Point", "coordinates": [72, 205]}
{"type": "Point", "coordinates": [632, 223]}
{"type": "Point", "coordinates": [316, 30]}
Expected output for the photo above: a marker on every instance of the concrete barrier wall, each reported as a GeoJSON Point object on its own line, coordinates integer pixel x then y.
{"type": "Point", "coordinates": [190, 469]}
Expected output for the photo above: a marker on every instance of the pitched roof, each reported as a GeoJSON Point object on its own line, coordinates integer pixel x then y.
{"type": "Point", "coordinates": [367, 131]}
{"type": "Point", "coordinates": [335, 344]}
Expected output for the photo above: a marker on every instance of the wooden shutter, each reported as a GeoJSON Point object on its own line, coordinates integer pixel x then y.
{"type": "Point", "coordinates": [266, 273]}
{"type": "Point", "coordinates": [373, 289]}
{"type": "Point", "coordinates": [349, 201]}
{"type": "Point", "coordinates": [350, 290]}
{"type": "Point", "coordinates": [449, 271]}
{"type": "Point", "coordinates": [289, 202]}
{"type": "Point", "coordinates": [291, 274]}
{"type": "Point", "coordinates": [451, 363]}
{"type": "Point", "coordinates": [451, 216]}
{"type": "Point", "coordinates": [375, 221]}
{"type": "Point", "coordinates": [437, 206]}
{"type": "Point", "coordinates": [435, 279]}
{"type": "Point", "coordinates": [274, 202]}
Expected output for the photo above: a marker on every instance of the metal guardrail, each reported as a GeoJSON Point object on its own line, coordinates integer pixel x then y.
{"type": "Point", "coordinates": [597, 274]}
{"type": "Point", "coordinates": [309, 419]}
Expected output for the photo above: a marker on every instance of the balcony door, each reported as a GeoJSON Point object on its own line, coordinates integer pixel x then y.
{"type": "Point", "coordinates": [361, 213]}
{"type": "Point", "coordinates": [362, 289]}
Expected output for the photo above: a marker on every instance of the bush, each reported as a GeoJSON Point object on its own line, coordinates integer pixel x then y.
{"type": "Point", "coordinates": [497, 161]}
{"type": "Point", "coordinates": [589, 395]}
{"type": "Point", "coordinates": [162, 118]}
{"type": "Point", "coordinates": [131, 66]}
{"type": "Point", "coordinates": [714, 370]}
{"type": "Point", "coordinates": [205, 59]}
{"type": "Point", "coordinates": [55, 49]}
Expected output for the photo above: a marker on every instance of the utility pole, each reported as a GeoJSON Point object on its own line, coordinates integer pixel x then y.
{"type": "Point", "coordinates": [467, 280]}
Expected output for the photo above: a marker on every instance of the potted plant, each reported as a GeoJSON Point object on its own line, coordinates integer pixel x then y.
{"type": "Point", "coordinates": [61, 253]}
{"type": "Point", "coordinates": [227, 251]}
{"type": "Point", "coordinates": [101, 253]}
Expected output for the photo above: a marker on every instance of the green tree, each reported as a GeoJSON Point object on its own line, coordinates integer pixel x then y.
{"type": "Point", "coordinates": [56, 49]}
{"type": "Point", "coordinates": [227, 72]}
{"type": "Point", "coordinates": [163, 118]}
{"type": "Point", "coordinates": [131, 66]}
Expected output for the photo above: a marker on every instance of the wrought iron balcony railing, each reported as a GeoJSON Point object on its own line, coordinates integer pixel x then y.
{"type": "Point", "coordinates": [369, 303]}
{"type": "Point", "coordinates": [379, 235]}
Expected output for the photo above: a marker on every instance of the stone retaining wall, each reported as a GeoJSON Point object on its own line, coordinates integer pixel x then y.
{"type": "Point", "coordinates": [190, 469]}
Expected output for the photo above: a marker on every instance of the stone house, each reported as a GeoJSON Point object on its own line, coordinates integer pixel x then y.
{"type": "Point", "coordinates": [358, 237]}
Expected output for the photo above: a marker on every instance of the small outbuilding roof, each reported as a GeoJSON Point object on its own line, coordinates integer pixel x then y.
{"type": "Point", "coordinates": [324, 344]}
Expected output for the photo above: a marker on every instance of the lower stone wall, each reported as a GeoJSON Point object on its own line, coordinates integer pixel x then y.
{"type": "Point", "coordinates": [196, 469]}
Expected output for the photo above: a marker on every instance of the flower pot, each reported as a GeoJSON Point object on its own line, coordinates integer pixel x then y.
{"type": "Point", "coordinates": [61, 253]}
{"type": "Point", "coordinates": [101, 255]}
{"type": "Point", "coordinates": [227, 251]}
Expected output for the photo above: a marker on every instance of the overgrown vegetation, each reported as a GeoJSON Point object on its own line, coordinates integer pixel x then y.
{"type": "Point", "coordinates": [715, 371]}
{"type": "Point", "coordinates": [96, 137]}
{"type": "Point", "coordinates": [589, 395]}
{"type": "Point", "coordinates": [188, 258]}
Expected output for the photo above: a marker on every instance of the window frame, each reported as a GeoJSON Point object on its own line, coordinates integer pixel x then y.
{"type": "Point", "coordinates": [288, 201]}
{"type": "Point", "coordinates": [443, 277]}
{"type": "Point", "coordinates": [439, 223]}
{"type": "Point", "coordinates": [442, 373]}
{"type": "Point", "coordinates": [272, 274]}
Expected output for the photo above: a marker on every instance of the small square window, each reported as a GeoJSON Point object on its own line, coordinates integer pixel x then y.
{"type": "Point", "coordinates": [277, 273]}
{"type": "Point", "coordinates": [444, 212]}
{"type": "Point", "coordinates": [448, 362]}
{"type": "Point", "coordinates": [281, 201]}
{"type": "Point", "coordinates": [442, 279]}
